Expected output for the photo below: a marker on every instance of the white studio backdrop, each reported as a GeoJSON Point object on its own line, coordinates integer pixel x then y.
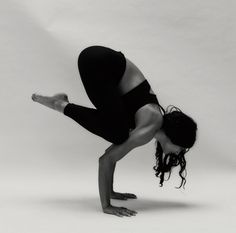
{"type": "Point", "coordinates": [186, 50]}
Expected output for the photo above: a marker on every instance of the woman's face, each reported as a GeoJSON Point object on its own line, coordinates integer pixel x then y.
{"type": "Point", "coordinates": [169, 147]}
{"type": "Point", "coordinates": [166, 144]}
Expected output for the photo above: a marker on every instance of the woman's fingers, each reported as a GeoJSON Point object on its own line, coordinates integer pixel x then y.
{"type": "Point", "coordinates": [125, 212]}
{"type": "Point", "coordinates": [123, 196]}
{"type": "Point", "coordinates": [130, 212]}
{"type": "Point", "coordinates": [130, 195]}
{"type": "Point", "coordinates": [119, 211]}
{"type": "Point", "coordinates": [118, 196]}
{"type": "Point", "coordinates": [118, 214]}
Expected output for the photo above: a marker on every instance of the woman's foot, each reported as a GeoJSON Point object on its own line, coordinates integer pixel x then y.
{"type": "Point", "coordinates": [61, 96]}
{"type": "Point", "coordinates": [56, 102]}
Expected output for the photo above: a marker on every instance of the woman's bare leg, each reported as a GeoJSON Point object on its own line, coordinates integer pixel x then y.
{"type": "Point", "coordinates": [56, 102]}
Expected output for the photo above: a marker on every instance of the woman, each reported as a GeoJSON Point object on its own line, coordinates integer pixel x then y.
{"type": "Point", "coordinates": [127, 114]}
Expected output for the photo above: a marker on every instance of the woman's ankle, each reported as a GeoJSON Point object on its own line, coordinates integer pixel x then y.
{"type": "Point", "coordinates": [60, 105]}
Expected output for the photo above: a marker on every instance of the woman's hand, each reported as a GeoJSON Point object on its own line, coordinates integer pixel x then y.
{"type": "Point", "coordinates": [119, 211]}
{"type": "Point", "coordinates": [123, 196]}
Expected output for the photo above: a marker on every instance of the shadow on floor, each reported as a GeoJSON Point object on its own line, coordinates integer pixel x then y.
{"type": "Point", "coordinates": [140, 204]}
{"type": "Point", "coordinates": [162, 205]}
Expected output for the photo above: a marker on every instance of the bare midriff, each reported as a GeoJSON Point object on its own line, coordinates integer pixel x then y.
{"type": "Point", "coordinates": [132, 77]}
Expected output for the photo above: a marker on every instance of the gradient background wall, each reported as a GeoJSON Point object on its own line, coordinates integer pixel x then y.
{"type": "Point", "coordinates": [49, 163]}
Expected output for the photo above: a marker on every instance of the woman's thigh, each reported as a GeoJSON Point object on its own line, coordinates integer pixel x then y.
{"type": "Point", "coordinates": [101, 69]}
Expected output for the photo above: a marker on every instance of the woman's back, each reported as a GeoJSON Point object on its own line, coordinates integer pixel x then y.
{"type": "Point", "coordinates": [132, 77]}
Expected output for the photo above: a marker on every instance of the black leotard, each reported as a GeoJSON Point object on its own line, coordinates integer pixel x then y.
{"type": "Point", "coordinates": [137, 98]}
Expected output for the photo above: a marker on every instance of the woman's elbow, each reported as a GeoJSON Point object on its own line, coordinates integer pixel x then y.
{"type": "Point", "coordinates": [121, 138]}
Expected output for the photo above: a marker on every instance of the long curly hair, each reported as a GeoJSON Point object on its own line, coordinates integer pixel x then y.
{"type": "Point", "coordinates": [181, 130]}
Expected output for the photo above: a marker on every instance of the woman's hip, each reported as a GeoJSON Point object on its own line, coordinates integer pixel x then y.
{"type": "Point", "coordinates": [101, 64]}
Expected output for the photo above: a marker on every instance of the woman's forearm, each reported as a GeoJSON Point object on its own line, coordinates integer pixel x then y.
{"type": "Point", "coordinates": [114, 164]}
{"type": "Point", "coordinates": [107, 165]}
{"type": "Point", "coordinates": [112, 178]}
{"type": "Point", "coordinates": [106, 169]}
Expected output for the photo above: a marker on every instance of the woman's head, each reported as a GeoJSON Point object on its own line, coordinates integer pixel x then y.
{"type": "Point", "coordinates": [176, 136]}
{"type": "Point", "coordinates": [179, 128]}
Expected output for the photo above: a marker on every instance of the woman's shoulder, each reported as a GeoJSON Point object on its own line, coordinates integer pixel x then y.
{"type": "Point", "coordinates": [149, 114]}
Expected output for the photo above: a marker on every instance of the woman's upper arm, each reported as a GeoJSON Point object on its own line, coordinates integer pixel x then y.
{"type": "Point", "coordinates": [142, 135]}
{"type": "Point", "coordinates": [137, 137]}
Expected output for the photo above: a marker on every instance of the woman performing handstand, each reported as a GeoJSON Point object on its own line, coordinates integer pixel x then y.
{"type": "Point", "coordinates": [128, 115]}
